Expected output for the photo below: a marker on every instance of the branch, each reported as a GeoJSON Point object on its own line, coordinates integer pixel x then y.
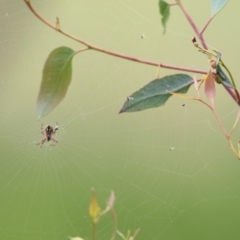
{"type": "Point", "coordinates": [192, 23]}
{"type": "Point", "coordinates": [56, 27]}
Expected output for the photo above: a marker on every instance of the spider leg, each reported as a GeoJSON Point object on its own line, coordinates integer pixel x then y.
{"type": "Point", "coordinates": [54, 140]}
{"type": "Point", "coordinates": [42, 142]}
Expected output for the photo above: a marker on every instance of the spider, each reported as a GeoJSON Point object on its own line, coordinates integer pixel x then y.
{"type": "Point", "coordinates": [48, 132]}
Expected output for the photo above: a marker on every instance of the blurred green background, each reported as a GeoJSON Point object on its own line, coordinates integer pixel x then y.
{"type": "Point", "coordinates": [191, 192]}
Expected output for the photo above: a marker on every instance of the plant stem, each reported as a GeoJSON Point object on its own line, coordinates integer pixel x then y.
{"type": "Point", "coordinates": [233, 82]}
{"type": "Point", "coordinates": [233, 149]}
{"type": "Point", "coordinates": [56, 27]}
{"type": "Point", "coordinates": [192, 23]}
{"type": "Point", "coordinates": [114, 216]}
{"type": "Point", "coordinates": [232, 94]}
{"type": "Point", "coordinates": [94, 225]}
{"type": "Point", "coordinates": [206, 25]}
{"type": "Point", "coordinates": [227, 136]}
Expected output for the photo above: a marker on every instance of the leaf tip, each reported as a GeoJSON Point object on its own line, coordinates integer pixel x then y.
{"type": "Point", "coordinates": [164, 10]}
{"type": "Point", "coordinates": [39, 114]}
{"type": "Point", "coordinates": [216, 6]}
{"type": "Point", "coordinates": [75, 238]}
{"type": "Point", "coordinates": [111, 200]}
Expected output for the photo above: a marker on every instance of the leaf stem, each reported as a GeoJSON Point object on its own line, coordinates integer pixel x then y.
{"type": "Point", "coordinates": [109, 52]}
{"type": "Point", "coordinates": [206, 25]}
{"type": "Point", "coordinates": [81, 50]}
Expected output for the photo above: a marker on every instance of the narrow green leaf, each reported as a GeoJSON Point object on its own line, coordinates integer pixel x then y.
{"type": "Point", "coordinates": [217, 5]}
{"type": "Point", "coordinates": [57, 74]}
{"type": "Point", "coordinates": [222, 78]}
{"type": "Point", "coordinates": [164, 10]}
{"type": "Point", "coordinates": [156, 93]}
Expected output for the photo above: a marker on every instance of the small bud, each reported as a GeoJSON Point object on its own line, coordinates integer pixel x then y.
{"type": "Point", "coordinates": [194, 41]}
{"type": "Point", "coordinates": [57, 23]}
{"type": "Point", "coordinates": [213, 63]}
{"type": "Point", "coordinates": [94, 209]}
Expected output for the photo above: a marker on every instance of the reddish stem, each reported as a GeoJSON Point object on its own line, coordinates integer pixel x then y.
{"type": "Point", "coordinates": [96, 48]}
{"type": "Point", "coordinates": [192, 23]}
{"type": "Point", "coordinates": [206, 25]}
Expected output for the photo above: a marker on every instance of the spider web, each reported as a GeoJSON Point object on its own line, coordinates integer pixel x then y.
{"type": "Point", "coordinates": [171, 169]}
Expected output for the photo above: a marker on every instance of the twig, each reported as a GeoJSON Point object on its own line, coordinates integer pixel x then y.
{"type": "Point", "coordinates": [227, 136]}
{"type": "Point", "coordinates": [56, 27]}
{"type": "Point", "coordinates": [192, 23]}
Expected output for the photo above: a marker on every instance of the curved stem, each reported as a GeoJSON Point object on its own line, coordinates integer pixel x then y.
{"type": "Point", "coordinates": [221, 126]}
{"type": "Point", "coordinates": [215, 115]}
{"type": "Point", "coordinates": [56, 27]}
{"type": "Point", "coordinates": [233, 149]}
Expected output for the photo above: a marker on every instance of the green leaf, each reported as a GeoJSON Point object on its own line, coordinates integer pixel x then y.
{"type": "Point", "coordinates": [217, 5]}
{"type": "Point", "coordinates": [57, 74]}
{"type": "Point", "coordinates": [156, 93]}
{"type": "Point", "coordinates": [222, 78]}
{"type": "Point", "coordinates": [164, 10]}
